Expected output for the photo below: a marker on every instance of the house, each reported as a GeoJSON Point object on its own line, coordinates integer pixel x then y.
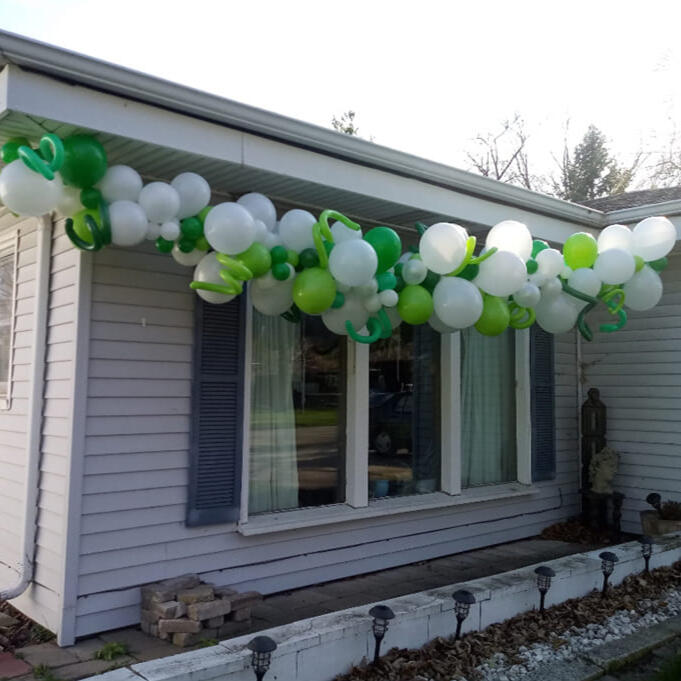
{"type": "Point", "coordinates": [382, 456]}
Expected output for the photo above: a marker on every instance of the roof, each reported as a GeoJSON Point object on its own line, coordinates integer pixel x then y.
{"type": "Point", "coordinates": [645, 197]}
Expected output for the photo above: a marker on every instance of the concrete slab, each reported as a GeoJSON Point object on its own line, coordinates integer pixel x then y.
{"type": "Point", "coordinates": [11, 667]}
{"type": "Point", "coordinates": [135, 639]}
{"type": "Point", "coordinates": [48, 654]}
{"type": "Point", "coordinates": [85, 650]}
{"type": "Point", "coordinates": [82, 670]}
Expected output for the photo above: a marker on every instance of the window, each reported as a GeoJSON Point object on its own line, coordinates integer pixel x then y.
{"type": "Point", "coordinates": [404, 413]}
{"type": "Point", "coordinates": [297, 430]}
{"type": "Point", "coordinates": [7, 283]}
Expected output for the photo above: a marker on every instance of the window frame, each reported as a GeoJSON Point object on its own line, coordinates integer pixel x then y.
{"type": "Point", "coordinates": [357, 503]}
{"type": "Point", "coordinates": [9, 244]}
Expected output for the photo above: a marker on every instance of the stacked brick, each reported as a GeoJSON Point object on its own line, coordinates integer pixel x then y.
{"type": "Point", "coordinates": [186, 611]}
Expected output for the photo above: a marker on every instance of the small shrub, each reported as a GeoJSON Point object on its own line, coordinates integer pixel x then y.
{"type": "Point", "coordinates": [670, 510]}
{"type": "Point", "coordinates": [112, 650]}
{"type": "Point", "coordinates": [44, 673]}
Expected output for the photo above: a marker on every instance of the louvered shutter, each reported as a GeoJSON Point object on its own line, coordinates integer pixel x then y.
{"type": "Point", "coordinates": [217, 413]}
{"type": "Point", "coordinates": [542, 405]}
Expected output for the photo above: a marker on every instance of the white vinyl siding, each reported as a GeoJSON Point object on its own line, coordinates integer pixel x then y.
{"type": "Point", "coordinates": [136, 467]}
{"type": "Point", "coordinates": [638, 371]}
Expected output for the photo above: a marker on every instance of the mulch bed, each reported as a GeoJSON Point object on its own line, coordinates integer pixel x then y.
{"type": "Point", "coordinates": [25, 633]}
{"type": "Point", "coordinates": [576, 532]}
{"type": "Point", "coordinates": [444, 659]}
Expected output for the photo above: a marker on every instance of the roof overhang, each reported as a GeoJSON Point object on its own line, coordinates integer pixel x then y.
{"type": "Point", "coordinates": [162, 128]}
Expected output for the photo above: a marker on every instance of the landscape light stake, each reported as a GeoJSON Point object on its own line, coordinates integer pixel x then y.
{"type": "Point", "coordinates": [262, 647]}
{"type": "Point", "coordinates": [382, 614]}
{"type": "Point", "coordinates": [608, 560]}
{"type": "Point", "coordinates": [544, 575]}
{"type": "Point", "coordinates": [462, 604]}
{"type": "Point", "coordinates": [646, 550]}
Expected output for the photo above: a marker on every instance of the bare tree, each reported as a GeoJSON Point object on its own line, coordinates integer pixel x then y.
{"type": "Point", "coordinates": [665, 169]}
{"type": "Point", "coordinates": [346, 123]}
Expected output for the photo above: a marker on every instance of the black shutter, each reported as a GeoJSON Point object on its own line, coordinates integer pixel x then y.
{"type": "Point", "coordinates": [217, 413]}
{"type": "Point", "coordinates": [542, 405]}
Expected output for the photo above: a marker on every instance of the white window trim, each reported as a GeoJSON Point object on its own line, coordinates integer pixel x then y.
{"type": "Point", "coordinates": [10, 242]}
{"type": "Point", "coordinates": [357, 504]}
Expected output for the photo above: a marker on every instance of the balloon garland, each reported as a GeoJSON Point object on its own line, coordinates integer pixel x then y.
{"type": "Point", "coordinates": [362, 284]}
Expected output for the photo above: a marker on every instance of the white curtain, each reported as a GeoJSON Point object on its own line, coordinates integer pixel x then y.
{"type": "Point", "coordinates": [488, 437]}
{"type": "Point", "coordinates": [273, 461]}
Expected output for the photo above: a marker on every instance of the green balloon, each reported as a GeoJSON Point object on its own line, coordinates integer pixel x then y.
{"type": "Point", "coordinates": [79, 225]}
{"type": "Point", "coordinates": [338, 301]}
{"type": "Point", "coordinates": [399, 283]}
{"type": "Point", "coordinates": [314, 290]}
{"type": "Point", "coordinates": [495, 316]}
{"type": "Point", "coordinates": [191, 228]}
{"type": "Point", "coordinates": [164, 245]}
{"type": "Point", "coordinates": [386, 281]}
{"type": "Point", "coordinates": [469, 272]}
{"type": "Point", "coordinates": [10, 150]}
{"type": "Point", "coordinates": [328, 247]}
{"type": "Point", "coordinates": [292, 257]}
{"type": "Point", "coordinates": [280, 271]}
{"type": "Point", "coordinates": [580, 250]}
{"type": "Point", "coordinates": [387, 245]}
{"type": "Point", "coordinates": [203, 212]}
{"type": "Point", "coordinates": [657, 265]}
{"type": "Point", "coordinates": [84, 161]}
{"type": "Point", "coordinates": [532, 266]}
{"type": "Point", "coordinates": [430, 282]}
{"type": "Point", "coordinates": [90, 197]}
{"type": "Point", "coordinates": [308, 258]}
{"type": "Point", "coordinates": [538, 246]}
{"type": "Point", "coordinates": [202, 244]}
{"type": "Point", "coordinates": [279, 255]}
{"type": "Point", "coordinates": [257, 258]}
{"type": "Point", "coordinates": [398, 269]}
{"type": "Point", "coordinates": [415, 304]}
{"type": "Point", "coordinates": [186, 244]}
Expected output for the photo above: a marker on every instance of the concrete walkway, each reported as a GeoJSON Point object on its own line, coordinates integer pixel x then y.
{"type": "Point", "coordinates": [51, 663]}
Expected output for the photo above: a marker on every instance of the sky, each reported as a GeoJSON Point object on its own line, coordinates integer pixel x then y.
{"type": "Point", "coordinates": [423, 77]}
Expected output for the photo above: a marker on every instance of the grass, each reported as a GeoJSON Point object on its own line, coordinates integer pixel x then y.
{"type": "Point", "coordinates": [112, 650]}
{"type": "Point", "coordinates": [670, 671]}
{"type": "Point", "coordinates": [44, 673]}
{"type": "Point", "coordinates": [207, 643]}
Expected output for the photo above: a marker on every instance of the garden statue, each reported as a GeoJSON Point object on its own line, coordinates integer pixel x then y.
{"type": "Point", "coordinates": [602, 470]}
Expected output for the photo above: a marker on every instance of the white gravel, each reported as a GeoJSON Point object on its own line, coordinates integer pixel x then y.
{"type": "Point", "coordinates": [577, 640]}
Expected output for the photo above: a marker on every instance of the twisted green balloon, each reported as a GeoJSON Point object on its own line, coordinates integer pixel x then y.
{"type": "Point", "coordinates": [100, 234]}
{"type": "Point", "coordinates": [52, 151]}
{"type": "Point", "coordinates": [614, 307]}
{"type": "Point", "coordinates": [233, 273]}
{"type": "Point", "coordinates": [321, 231]}
{"type": "Point", "coordinates": [521, 317]}
{"type": "Point", "coordinates": [379, 327]}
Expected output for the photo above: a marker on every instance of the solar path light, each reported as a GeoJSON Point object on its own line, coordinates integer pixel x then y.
{"type": "Point", "coordinates": [544, 575]}
{"type": "Point", "coordinates": [646, 550]}
{"type": "Point", "coordinates": [382, 614]}
{"type": "Point", "coordinates": [608, 560]}
{"type": "Point", "coordinates": [262, 647]}
{"type": "Point", "coordinates": [462, 605]}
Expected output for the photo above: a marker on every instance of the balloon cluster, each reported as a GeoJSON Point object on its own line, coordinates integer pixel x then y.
{"type": "Point", "coordinates": [362, 284]}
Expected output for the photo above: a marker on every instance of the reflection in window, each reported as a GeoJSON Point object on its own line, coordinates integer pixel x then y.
{"type": "Point", "coordinates": [488, 417]}
{"type": "Point", "coordinates": [297, 455]}
{"type": "Point", "coordinates": [6, 302]}
{"type": "Point", "coordinates": [404, 413]}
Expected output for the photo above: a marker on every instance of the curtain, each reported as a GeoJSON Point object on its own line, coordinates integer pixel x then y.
{"type": "Point", "coordinates": [273, 462]}
{"type": "Point", "coordinates": [488, 417]}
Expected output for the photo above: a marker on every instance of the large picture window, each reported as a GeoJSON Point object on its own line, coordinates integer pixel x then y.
{"type": "Point", "coordinates": [7, 269]}
{"type": "Point", "coordinates": [297, 433]}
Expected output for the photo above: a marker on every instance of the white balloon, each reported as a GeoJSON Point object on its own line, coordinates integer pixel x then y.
{"type": "Point", "coordinates": [443, 247]}
{"type": "Point", "coordinates": [644, 290]}
{"type": "Point", "coordinates": [190, 259]}
{"type": "Point", "coordinates": [159, 201]}
{"type": "Point", "coordinates": [586, 281]}
{"type": "Point", "coordinates": [393, 316]}
{"type": "Point", "coordinates": [566, 272]}
{"type": "Point", "coordinates": [439, 326]}
{"type": "Point", "coordinates": [556, 314]}
{"type": "Point", "coordinates": [229, 228]}
{"type": "Point", "coordinates": [208, 271]}
{"type": "Point", "coordinates": [353, 309]}
{"type": "Point", "coordinates": [373, 303]}
{"type": "Point", "coordinates": [551, 289]}
{"type": "Point", "coordinates": [344, 288]}
{"type": "Point", "coordinates": [194, 193]}
{"type": "Point", "coordinates": [26, 192]}
{"type": "Point", "coordinates": [538, 279]}
{"type": "Point", "coordinates": [69, 204]}
{"type": "Point", "coordinates": [153, 231]}
{"type": "Point", "coordinates": [653, 238]}
{"type": "Point", "coordinates": [501, 274]}
{"type": "Point", "coordinates": [615, 236]}
{"type": "Point", "coordinates": [267, 280]}
{"type": "Point", "coordinates": [272, 239]}
{"type": "Point", "coordinates": [366, 290]}
{"type": "Point", "coordinates": [389, 298]}
{"type": "Point", "coordinates": [170, 230]}
{"type": "Point", "coordinates": [353, 262]}
{"type": "Point", "coordinates": [261, 208]}
{"type": "Point", "coordinates": [343, 233]}
{"type": "Point", "coordinates": [414, 271]}
{"type": "Point", "coordinates": [528, 295]}
{"type": "Point", "coordinates": [512, 236]}
{"type": "Point", "coordinates": [128, 223]}
{"type": "Point", "coordinates": [120, 183]}
{"type": "Point", "coordinates": [295, 229]}
{"type": "Point", "coordinates": [615, 266]}
{"type": "Point", "coordinates": [272, 300]}
{"type": "Point", "coordinates": [457, 302]}
{"type": "Point", "coordinates": [550, 262]}
{"type": "Point", "coordinates": [261, 231]}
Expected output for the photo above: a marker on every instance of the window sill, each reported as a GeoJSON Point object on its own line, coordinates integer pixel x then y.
{"type": "Point", "coordinates": [342, 513]}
